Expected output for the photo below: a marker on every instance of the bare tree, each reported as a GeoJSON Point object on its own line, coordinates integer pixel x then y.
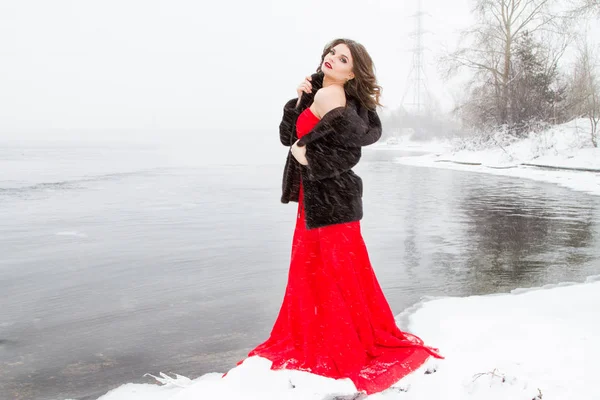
{"type": "Point", "coordinates": [582, 7]}
{"type": "Point", "coordinates": [585, 89]}
{"type": "Point", "coordinates": [488, 49]}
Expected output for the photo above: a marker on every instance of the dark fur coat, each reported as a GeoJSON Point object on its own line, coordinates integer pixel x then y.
{"type": "Point", "coordinates": [332, 191]}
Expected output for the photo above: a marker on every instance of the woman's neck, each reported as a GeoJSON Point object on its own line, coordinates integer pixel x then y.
{"type": "Point", "coordinates": [327, 81]}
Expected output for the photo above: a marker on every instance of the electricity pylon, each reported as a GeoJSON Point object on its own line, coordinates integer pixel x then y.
{"type": "Point", "coordinates": [416, 83]}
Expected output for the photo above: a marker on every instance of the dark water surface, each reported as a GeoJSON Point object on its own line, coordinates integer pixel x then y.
{"type": "Point", "coordinates": [183, 270]}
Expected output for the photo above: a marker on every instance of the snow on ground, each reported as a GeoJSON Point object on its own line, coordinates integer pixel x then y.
{"type": "Point", "coordinates": [558, 155]}
{"type": "Point", "coordinates": [512, 346]}
{"type": "Point", "coordinates": [529, 344]}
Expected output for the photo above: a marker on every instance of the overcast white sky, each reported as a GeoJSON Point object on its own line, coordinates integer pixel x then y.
{"type": "Point", "coordinates": [188, 68]}
{"type": "Point", "coordinates": [183, 65]}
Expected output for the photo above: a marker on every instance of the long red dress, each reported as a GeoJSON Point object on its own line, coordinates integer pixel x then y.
{"type": "Point", "coordinates": [335, 320]}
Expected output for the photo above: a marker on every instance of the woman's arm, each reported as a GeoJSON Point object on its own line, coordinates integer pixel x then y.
{"type": "Point", "coordinates": [292, 109]}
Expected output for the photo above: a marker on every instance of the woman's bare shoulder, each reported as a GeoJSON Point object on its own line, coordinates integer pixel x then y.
{"type": "Point", "coordinates": [328, 98]}
{"type": "Point", "coordinates": [331, 93]}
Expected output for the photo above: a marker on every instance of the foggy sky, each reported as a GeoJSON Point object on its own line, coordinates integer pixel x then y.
{"type": "Point", "coordinates": [133, 67]}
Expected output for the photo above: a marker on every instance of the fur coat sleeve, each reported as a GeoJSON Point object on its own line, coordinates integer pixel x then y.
{"type": "Point", "coordinates": [287, 127]}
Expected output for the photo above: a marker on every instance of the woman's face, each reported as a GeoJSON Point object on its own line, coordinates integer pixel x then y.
{"type": "Point", "coordinates": [337, 64]}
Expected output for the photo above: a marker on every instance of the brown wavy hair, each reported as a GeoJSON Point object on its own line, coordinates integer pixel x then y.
{"type": "Point", "coordinates": [364, 85]}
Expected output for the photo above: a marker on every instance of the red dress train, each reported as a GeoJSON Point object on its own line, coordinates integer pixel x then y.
{"type": "Point", "coordinates": [335, 320]}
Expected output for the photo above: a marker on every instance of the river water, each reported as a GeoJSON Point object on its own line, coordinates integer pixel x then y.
{"type": "Point", "coordinates": [110, 270]}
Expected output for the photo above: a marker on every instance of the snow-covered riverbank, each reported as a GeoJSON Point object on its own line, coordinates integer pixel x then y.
{"type": "Point", "coordinates": [562, 155]}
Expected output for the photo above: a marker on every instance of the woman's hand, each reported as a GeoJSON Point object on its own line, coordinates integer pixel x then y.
{"type": "Point", "coordinates": [299, 153]}
{"type": "Point", "coordinates": [304, 87]}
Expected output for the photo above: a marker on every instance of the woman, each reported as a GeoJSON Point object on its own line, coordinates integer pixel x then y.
{"type": "Point", "coordinates": [335, 320]}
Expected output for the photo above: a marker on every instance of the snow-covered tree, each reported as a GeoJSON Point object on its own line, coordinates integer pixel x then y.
{"type": "Point", "coordinates": [504, 51]}
{"type": "Point", "coordinates": [535, 93]}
